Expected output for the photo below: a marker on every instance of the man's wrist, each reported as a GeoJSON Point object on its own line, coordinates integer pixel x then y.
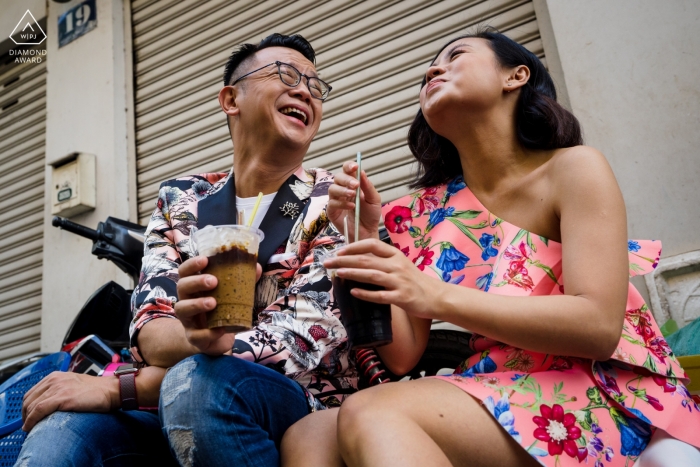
{"type": "Point", "coordinates": [112, 388]}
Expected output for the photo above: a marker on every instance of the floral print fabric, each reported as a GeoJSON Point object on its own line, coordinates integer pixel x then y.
{"type": "Point", "coordinates": [298, 330]}
{"type": "Point", "coordinates": [562, 410]}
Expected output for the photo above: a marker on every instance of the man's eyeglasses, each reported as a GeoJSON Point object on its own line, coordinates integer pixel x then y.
{"type": "Point", "coordinates": [292, 77]}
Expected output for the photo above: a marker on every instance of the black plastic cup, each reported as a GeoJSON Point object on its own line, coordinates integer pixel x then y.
{"type": "Point", "coordinates": [368, 324]}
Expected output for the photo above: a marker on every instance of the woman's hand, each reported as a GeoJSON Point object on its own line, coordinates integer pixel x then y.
{"type": "Point", "coordinates": [341, 203]}
{"type": "Point", "coordinates": [194, 302]}
{"type": "Point", "coordinates": [69, 392]}
{"type": "Point", "coordinates": [372, 261]}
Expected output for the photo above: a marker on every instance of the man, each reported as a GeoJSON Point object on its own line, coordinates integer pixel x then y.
{"type": "Point", "coordinates": [234, 411]}
{"type": "Point", "coordinates": [219, 409]}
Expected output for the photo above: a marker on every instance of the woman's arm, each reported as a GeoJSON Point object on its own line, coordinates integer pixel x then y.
{"type": "Point", "coordinates": [410, 338]}
{"type": "Point", "coordinates": [586, 322]}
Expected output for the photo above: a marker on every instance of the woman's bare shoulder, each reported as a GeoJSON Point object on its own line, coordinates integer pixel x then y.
{"type": "Point", "coordinates": [579, 165]}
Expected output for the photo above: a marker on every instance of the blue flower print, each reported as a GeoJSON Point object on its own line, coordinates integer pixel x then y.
{"type": "Point", "coordinates": [447, 277]}
{"type": "Point", "coordinates": [438, 216]}
{"type": "Point", "coordinates": [201, 188]}
{"type": "Point", "coordinates": [451, 259]}
{"type": "Point", "coordinates": [455, 186]}
{"type": "Point", "coordinates": [501, 412]}
{"type": "Point", "coordinates": [484, 282]}
{"type": "Point", "coordinates": [635, 433]}
{"type": "Point", "coordinates": [633, 246]}
{"type": "Point", "coordinates": [483, 366]}
{"type": "Point", "coordinates": [486, 242]}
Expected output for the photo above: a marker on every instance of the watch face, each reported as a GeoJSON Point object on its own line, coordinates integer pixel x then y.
{"type": "Point", "coordinates": [126, 369]}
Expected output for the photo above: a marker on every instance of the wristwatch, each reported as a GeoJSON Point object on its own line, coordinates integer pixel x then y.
{"type": "Point", "coordinates": [126, 372]}
{"type": "Point", "coordinates": [127, 385]}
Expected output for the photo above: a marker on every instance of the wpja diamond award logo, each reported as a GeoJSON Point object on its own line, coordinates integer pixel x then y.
{"type": "Point", "coordinates": [28, 32]}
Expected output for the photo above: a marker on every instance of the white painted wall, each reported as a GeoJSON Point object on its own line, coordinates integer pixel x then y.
{"type": "Point", "coordinates": [87, 109]}
{"type": "Point", "coordinates": [11, 11]}
{"type": "Point", "coordinates": [631, 69]}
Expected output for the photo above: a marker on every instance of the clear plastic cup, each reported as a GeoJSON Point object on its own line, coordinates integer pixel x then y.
{"type": "Point", "coordinates": [232, 251]}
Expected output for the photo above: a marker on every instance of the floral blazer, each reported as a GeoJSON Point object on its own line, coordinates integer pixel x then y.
{"type": "Point", "coordinates": [298, 330]}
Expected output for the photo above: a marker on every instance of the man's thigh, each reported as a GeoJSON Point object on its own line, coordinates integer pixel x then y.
{"type": "Point", "coordinates": [110, 439]}
{"type": "Point", "coordinates": [227, 410]}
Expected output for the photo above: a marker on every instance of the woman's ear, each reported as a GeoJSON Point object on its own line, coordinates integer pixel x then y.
{"type": "Point", "coordinates": [517, 78]}
{"type": "Point", "coordinates": [227, 101]}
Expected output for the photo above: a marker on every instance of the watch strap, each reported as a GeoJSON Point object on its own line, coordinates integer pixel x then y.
{"type": "Point", "coordinates": [127, 391]}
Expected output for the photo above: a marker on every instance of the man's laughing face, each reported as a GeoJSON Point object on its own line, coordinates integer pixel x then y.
{"type": "Point", "coordinates": [287, 116]}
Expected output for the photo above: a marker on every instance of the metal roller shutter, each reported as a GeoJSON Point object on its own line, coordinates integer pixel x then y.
{"type": "Point", "coordinates": [22, 144]}
{"type": "Point", "coordinates": [372, 52]}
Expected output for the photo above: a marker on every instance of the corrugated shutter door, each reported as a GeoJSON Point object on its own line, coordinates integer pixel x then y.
{"type": "Point", "coordinates": [22, 165]}
{"type": "Point", "coordinates": [372, 52]}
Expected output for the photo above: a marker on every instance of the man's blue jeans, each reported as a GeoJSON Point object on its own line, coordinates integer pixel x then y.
{"type": "Point", "coordinates": [227, 411]}
{"type": "Point", "coordinates": [116, 439]}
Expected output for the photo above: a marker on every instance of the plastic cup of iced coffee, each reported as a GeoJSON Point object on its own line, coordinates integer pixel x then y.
{"type": "Point", "coordinates": [232, 252]}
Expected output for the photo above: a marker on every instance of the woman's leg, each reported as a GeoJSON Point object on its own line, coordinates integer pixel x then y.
{"type": "Point", "coordinates": [423, 422]}
{"type": "Point", "coordinates": [313, 440]}
{"type": "Point", "coordinates": [666, 451]}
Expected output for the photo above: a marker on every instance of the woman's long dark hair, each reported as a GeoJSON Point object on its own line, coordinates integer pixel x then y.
{"type": "Point", "coordinates": [541, 122]}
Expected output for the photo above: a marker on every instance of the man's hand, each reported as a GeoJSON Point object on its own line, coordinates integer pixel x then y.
{"type": "Point", "coordinates": [69, 392]}
{"type": "Point", "coordinates": [341, 203]}
{"type": "Point", "coordinates": [193, 304]}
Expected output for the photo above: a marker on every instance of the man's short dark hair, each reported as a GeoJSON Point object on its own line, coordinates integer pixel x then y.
{"type": "Point", "coordinates": [246, 51]}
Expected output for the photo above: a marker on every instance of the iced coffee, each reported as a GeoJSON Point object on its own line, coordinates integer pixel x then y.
{"type": "Point", "coordinates": [232, 252]}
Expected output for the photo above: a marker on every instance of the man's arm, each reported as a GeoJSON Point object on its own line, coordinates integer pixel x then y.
{"type": "Point", "coordinates": [163, 341]}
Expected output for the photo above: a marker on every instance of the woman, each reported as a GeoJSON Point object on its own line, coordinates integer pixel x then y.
{"type": "Point", "coordinates": [510, 203]}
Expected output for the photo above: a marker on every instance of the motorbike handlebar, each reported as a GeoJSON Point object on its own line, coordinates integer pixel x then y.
{"type": "Point", "coordinates": [65, 224]}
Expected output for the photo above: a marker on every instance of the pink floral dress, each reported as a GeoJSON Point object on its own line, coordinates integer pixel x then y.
{"type": "Point", "coordinates": [562, 410]}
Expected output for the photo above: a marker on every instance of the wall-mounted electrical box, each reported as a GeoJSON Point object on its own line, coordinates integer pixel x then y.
{"type": "Point", "coordinates": [73, 189]}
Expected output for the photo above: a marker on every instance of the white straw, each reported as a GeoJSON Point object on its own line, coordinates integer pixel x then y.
{"type": "Point", "coordinates": [357, 196]}
{"type": "Point", "coordinates": [345, 229]}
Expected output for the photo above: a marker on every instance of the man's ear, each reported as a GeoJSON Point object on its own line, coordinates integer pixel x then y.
{"type": "Point", "coordinates": [227, 101]}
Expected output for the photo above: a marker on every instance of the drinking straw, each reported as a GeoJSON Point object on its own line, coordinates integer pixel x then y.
{"type": "Point", "coordinates": [357, 196]}
{"type": "Point", "coordinates": [241, 220]}
{"type": "Point", "coordinates": [345, 229]}
{"type": "Point", "coordinates": [255, 210]}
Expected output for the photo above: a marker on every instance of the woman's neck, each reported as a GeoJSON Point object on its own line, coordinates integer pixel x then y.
{"type": "Point", "coordinates": [489, 151]}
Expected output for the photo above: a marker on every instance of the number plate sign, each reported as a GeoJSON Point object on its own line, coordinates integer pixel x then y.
{"type": "Point", "coordinates": [76, 22]}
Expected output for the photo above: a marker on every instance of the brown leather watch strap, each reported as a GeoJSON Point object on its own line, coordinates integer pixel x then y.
{"type": "Point", "coordinates": [127, 391]}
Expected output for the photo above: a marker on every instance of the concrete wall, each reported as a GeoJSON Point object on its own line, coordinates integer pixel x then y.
{"type": "Point", "coordinates": [88, 108]}
{"type": "Point", "coordinates": [631, 69]}
{"type": "Point", "coordinates": [12, 12]}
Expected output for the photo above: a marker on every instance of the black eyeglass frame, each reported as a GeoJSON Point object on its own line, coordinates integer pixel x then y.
{"type": "Point", "coordinates": [301, 75]}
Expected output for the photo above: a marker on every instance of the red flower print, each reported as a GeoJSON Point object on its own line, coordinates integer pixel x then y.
{"type": "Point", "coordinates": [659, 348]}
{"type": "Point", "coordinates": [398, 220]}
{"type": "Point", "coordinates": [519, 254]}
{"type": "Point", "coordinates": [562, 363]}
{"type": "Point", "coordinates": [654, 402]}
{"type": "Point", "coordinates": [669, 384]}
{"type": "Point", "coordinates": [518, 275]}
{"type": "Point", "coordinates": [317, 332]}
{"type": "Point", "coordinates": [301, 343]}
{"type": "Point", "coordinates": [639, 319]}
{"type": "Point", "coordinates": [402, 250]}
{"type": "Point", "coordinates": [611, 386]}
{"type": "Point", "coordinates": [559, 430]}
{"type": "Point", "coordinates": [427, 200]}
{"type": "Point", "coordinates": [423, 259]}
